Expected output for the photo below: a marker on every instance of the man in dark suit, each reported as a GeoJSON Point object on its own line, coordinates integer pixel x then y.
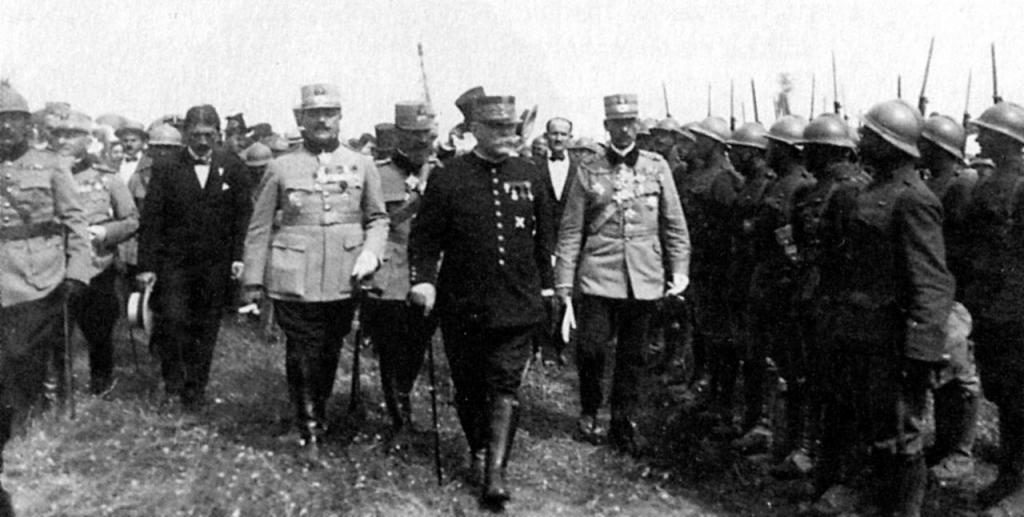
{"type": "Point", "coordinates": [556, 168]}
{"type": "Point", "coordinates": [190, 243]}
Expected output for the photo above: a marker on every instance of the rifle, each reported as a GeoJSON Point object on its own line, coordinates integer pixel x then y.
{"type": "Point", "coordinates": [811, 116]}
{"type": "Point", "coordinates": [967, 100]}
{"type": "Point", "coordinates": [922, 101]}
{"type": "Point", "coordinates": [732, 107]}
{"type": "Point", "coordinates": [996, 98]}
{"type": "Point", "coordinates": [355, 401]}
{"type": "Point", "coordinates": [709, 99]}
{"type": "Point", "coordinates": [423, 73]}
{"type": "Point", "coordinates": [433, 413]}
{"type": "Point", "coordinates": [664, 95]}
{"type": "Point", "coordinates": [753, 93]}
{"type": "Point", "coordinates": [836, 107]}
{"type": "Point", "coordinates": [899, 86]}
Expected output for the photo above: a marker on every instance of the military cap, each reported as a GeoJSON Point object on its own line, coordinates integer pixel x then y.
{"type": "Point", "coordinates": [320, 95]}
{"type": "Point", "coordinates": [413, 116]}
{"type": "Point", "coordinates": [235, 123]}
{"type": "Point", "coordinates": [258, 155]}
{"type": "Point", "coordinates": [11, 101]}
{"type": "Point", "coordinates": [495, 109]}
{"type": "Point", "coordinates": [164, 134]}
{"type": "Point", "coordinates": [465, 101]}
{"type": "Point", "coordinates": [387, 136]}
{"type": "Point", "coordinates": [72, 121]}
{"type": "Point", "coordinates": [621, 106]}
{"type": "Point", "coordinates": [130, 127]}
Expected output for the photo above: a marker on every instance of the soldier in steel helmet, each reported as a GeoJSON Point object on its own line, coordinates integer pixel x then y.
{"type": "Point", "coordinates": [708, 191]}
{"type": "Point", "coordinates": [994, 290]}
{"type": "Point", "coordinates": [46, 262]}
{"type": "Point", "coordinates": [112, 218]}
{"type": "Point", "coordinates": [623, 203]}
{"type": "Point", "coordinates": [487, 212]}
{"type": "Point", "coordinates": [958, 394]}
{"type": "Point", "coordinates": [887, 296]}
{"type": "Point", "coordinates": [400, 333]}
{"type": "Point", "coordinates": [747, 152]}
{"type": "Point", "coordinates": [318, 231]}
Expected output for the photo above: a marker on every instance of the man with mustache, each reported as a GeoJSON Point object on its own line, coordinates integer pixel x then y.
{"type": "Point", "coordinates": [44, 262]}
{"type": "Point", "coordinates": [487, 213]}
{"type": "Point", "coordinates": [401, 334]}
{"type": "Point", "coordinates": [190, 244]}
{"type": "Point", "coordinates": [318, 231]}
{"type": "Point", "coordinates": [112, 218]}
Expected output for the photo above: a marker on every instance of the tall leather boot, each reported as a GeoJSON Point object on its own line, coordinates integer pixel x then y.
{"type": "Point", "coordinates": [502, 410]}
{"type": "Point", "coordinates": [391, 398]}
{"type": "Point", "coordinates": [471, 418]}
{"type": "Point", "coordinates": [956, 415]}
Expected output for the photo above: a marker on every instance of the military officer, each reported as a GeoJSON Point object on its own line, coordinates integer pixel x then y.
{"type": "Point", "coordinates": [112, 218]}
{"type": "Point", "coordinates": [486, 212]}
{"type": "Point", "coordinates": [707, 192]}
{"type": "Point", "coordinates": [400, 333]}
{"type": "Point", "coordinates": [994, 292]}
{"type": "Point", "coordinates": [958, 395]}
{"type": "Point", "coordinates": [623, 203]}
{"type": "Point", "coordinates": [329, 237]}
{"type": "Point", "coordinates": [44, 262]}
{"type": "Point", "coordinates": [887, 295]}
{"type": "Point", "coordinates": [747, 152]}
{"type": "Point", "coordinates": [460, 138]}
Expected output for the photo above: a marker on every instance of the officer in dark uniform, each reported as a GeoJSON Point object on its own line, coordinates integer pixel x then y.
{"type": "Point", "coordinates": [994, 293]}
{"type": "Point", "coordinates": [623, 234]}
{"type": "Point", "coordinates": [44, 263]}
{"type": "Point", "coordinates": [772, 282]}
{"type": "Point", "coordinates": [887, 296]}
{"type": "Point", "coordinates": [485, 211]}
{"type": "Point", "coordinates": [747, 147]}
{"type": "Point", "coordinates": [828, 152]}
{"type": "Point", "coordinates": [958, 395]}
{"type": "Point", "coordinates": [112, 218]}
{"type": "Point", "coordinates": [707, 192]}
{"type": "Point", "coordinates": [400, 333]}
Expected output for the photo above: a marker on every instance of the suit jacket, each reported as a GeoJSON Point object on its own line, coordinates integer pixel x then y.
{"type": "Point", "coordinates": [557, 202]}
{"type": "Point", "coordinates": [312, 219]}
{"type": "Point", "coordinates": [620, 219]}
{"type": "Point", "coordinates": [184, 225]}
{"type": "Point", "coordinates": [491, 221]}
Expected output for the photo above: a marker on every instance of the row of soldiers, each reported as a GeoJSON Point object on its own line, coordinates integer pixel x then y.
{"type": "Point", "coordinates": [820, 248]}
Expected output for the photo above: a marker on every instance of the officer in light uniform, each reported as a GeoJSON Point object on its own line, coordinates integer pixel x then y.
{"type": "Point", "coordinates": [623, 204]}
{"type": "Point", "coordinates": [330, 236]}
{"type": "Point", "coordinates": [401, 333]}
{"type": "Point", "coordinates": [40, 270]}
{"type": "Point", "coordinates": [112, 218]}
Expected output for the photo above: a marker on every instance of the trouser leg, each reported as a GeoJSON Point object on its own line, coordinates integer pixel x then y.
{"type": "Point", "coordinates": [96, 314]}
{"type": "Point", "coordinates": [596, 326]}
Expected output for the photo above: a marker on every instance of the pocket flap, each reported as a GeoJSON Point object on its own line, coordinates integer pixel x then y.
{"type": "Point", "coordinates": [289, 241]}
{"type": "Point", "coordinates": [353, 241]}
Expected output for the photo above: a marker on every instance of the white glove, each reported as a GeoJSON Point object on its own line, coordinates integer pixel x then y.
{"type": "Point", "coordinates": [144, 279]}
{"type": "Point", "coordinates": [236, 270]}
{"type": "Point", "coordinates": [568, 321]}
{"type": "Point", "coordinates": [678, 284]}
{"type": "Point", "coordinates": [424, 295]}
{"type": "Point", "coordinates": [98, 233]}
{"type": "Point", "coordinates": [366, 264]}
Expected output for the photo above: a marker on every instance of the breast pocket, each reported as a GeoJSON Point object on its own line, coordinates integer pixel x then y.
{"type": "Point", "coordinates": [288, 265]}
{"type": "Point", "coordinates": [34, 196]}
{"type": "Point", "coordinates": [40, 259]}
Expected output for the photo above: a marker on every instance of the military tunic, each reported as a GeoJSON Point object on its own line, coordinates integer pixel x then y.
{"type": "Point", "coordinates": [107, 204]}
{"type": "Point", "coordinates": [622, 228]}
{"type": "Point", "coordinates": [317, 210]}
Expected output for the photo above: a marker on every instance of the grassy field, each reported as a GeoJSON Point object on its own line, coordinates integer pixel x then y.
{"type": "Point", "coordinates": [133, 454]}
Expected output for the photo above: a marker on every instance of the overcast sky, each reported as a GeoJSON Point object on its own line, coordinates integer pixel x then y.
{"type": "Point", "coordinates": [145, 59]}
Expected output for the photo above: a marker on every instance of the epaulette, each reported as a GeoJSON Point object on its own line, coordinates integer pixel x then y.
{"type": "Point", "coordinates": [382, 161]}
{"type": "Point", "coordinates": [104, 168]}
{"type": "Point", "coordinates": [652, 155]}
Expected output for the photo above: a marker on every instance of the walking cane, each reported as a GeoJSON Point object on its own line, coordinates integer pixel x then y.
{"type": "Point", "coordinates": [355, 401]}
{"type": "Point", "coordinates": [68, 370]}
{"type": "Point", "coordinates": [433, 412]}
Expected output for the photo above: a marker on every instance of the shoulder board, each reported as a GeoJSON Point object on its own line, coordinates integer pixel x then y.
{"type": "Point", "coordinates": [103, 168]}
{"type": "Point", "coordinates": [382, 162]}
{"type": "Point", "coordinates": [651, 155]}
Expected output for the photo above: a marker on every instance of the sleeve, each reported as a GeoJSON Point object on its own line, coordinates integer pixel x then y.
{"type": "Point", "coordinates": [928, 284]}
{"type": "Point", "coordinates": [242, 208]}
{"type": "Point", "coordinates": [570, 232]}
{"type": "Point", "coordinates": [152, 223]}
{"type": "Point", "coordinates": [375, 214]}
{"type": "Point", "coordinates": [71, 215]}
{"type": "Point", "coordinates": [126, 215]}
{"type": "Point", "coordinates": [426, 236]}
{"type": "Point", "coordinates": [544, 238]}
{"type": "Point", "coordinates": [258, 236]}
{"type": "Point", "coordinates": [672, 229]}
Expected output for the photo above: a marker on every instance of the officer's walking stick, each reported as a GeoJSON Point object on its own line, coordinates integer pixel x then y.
{"type": "Point", "coordinates": [355, 401]}
{"type": "Point", "coordinates": [68, 370]}
{"type": "Point", "coordinates": [433, 413]}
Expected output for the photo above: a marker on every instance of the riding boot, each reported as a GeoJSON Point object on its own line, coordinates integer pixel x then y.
{"type": "Point", "coordinates": [470, 418]}
{"type": "Point", "coordinates": [392, 399]}
{"type": "Point", "coordinates": [956, 414]}
{"type": "Point", "coordinates": [502, 409]}
{"type": "Point", "coordinates": [911, 477]}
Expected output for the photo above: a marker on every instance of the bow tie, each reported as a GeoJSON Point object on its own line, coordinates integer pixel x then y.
{"type": "Point", "coordinates": [130, 159]}
{"type": "Point", "coordinates": [557, 157]}
{"type": "Point", "coordinates": [202, 160]}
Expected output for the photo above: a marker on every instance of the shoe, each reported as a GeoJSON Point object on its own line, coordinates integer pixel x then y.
{"type": "Point", "coordinates": [588, 429]}
{"type": "Point", "coordinates": [952, 468]}
{"type": "Point", "coordinates": [755, 441]}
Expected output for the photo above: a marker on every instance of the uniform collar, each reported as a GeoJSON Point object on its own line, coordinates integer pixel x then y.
{"type": "Point", "coordinates": [318, 148]}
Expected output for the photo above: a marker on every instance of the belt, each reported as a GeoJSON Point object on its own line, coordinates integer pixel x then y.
{"type": "Point", "coordinates": [626, 234]}
{"type": "Point", "coordinates": [322, 219]}
{"type": "Point", "coordinates": [28, 231]}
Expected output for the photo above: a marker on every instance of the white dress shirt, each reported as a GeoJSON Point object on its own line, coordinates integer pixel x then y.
{"type": "Point", "coordinates": [202, 169]}
{"type": "Point", "coordinates": [559, 170]}
{"type": "Point", "coordinates": [127, 168]}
